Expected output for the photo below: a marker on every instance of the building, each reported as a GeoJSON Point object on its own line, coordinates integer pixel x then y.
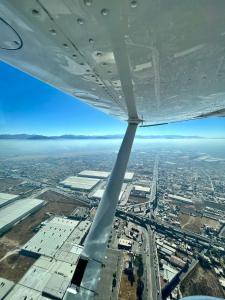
{"type": "Point", "coordinates": [7, 198]}
{"type": "Point", "coordinates": [176, 261]}
{"type": "Point", "coordinates": [124, 244]}
{"type": "Point", "coordinates": [50, 238]}
{"type": "Point", "coordinates": [79, 213]}
{"type": "Point", "coordinates": [5, 287]}
{"type": "Point", "coordinates": [99, 193]}
{"type": "Point", "coordinates": [16, 211]}
{"type": "Point", "coordinates": [94, 174]}
{"type": "Point", "coordinates": [51, 274]}
{"type": "Point", "coordinates": [140, 191]}
{"type": "Point", "coordinates": [104, 175]}
{"type": "Point", "coordinates": [47, 278]}
{"type": "Point", "coordinates": [169, 272]}
{"type": "Point", "coordinates": [180, 199]}
{"type": "Point", "coordinates": [85, 184]}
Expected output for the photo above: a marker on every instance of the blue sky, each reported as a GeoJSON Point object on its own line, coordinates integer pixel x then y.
{"type": "Point", "coordinates": [30, 106]}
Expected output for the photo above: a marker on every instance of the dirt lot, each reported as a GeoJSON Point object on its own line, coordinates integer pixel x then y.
{"type": "Point", "coordinates": [23, 231]}
{"type": "Point", "coordinates": [15, 266]}
{"type": "Point", "coordinates": [195, 224]}
{"type": "Point", "coordinates": [201, 282]}
{"type": "Point", "coordinates": [127, 292]}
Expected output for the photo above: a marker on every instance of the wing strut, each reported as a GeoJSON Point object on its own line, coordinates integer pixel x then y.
{"type": "Point", "coordinates": [92, 257]}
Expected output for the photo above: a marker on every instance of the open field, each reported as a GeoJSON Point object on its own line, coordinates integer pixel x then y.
{"type": "Point", "coordinates": [15, 266]}
{"type": "Point", "coordinates": [127, 292]}
{"type": "Point", "coordinates": [201, 282]}
{"type": "Point", "coordinates": [195, 224]}
{"type": "Point", "coordinates": [52, 196]}
{"type": "Point", "coordinates": [23, 231]}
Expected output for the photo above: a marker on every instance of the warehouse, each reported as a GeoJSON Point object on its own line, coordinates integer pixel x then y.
{"type": "Point", "coordinates": [104, 175]}
{"type": "Point", "coordinates": [124, 244]}
{"type": "Point", "coordinates": [21, 292]}
{"type": "Point", "coordinates": [85, 184]}
{"type": "Point", "coordinates": [16, 211]}
{"type": "Point", "coordinates": [169, 272]}
{"type": "Point", "coordinates": [99, 193]}
{"type": "Point", "coordinates": [50, 238]}
{"type": "Point", "coordinates": [48, 278]}
{"type": "Point", "coordinates": [94, 174]}
{"type": "Point", "coordinates": [7, 198]}
{"type": "Point", "coordinates": [140, 191]}
{"type": "Point", "coordinates": [5, 287]}
{"type": "Point", "coordinates": [180, 199]}
{"type": "Point", "coordinates": [70, 251]}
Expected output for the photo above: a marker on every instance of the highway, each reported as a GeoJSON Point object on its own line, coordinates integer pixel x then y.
{"type": "Point", "coordinates": [152, 267]}
{"type": "Point", "coordinates": [152, 197]}
{"type": "Point", "coordinates": [143, 221]}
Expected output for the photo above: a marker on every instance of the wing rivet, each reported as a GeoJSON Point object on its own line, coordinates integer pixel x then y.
{"type": "Point", "coordinates": [35, 12]}
{"type": "Point", "coordinates": [80, 21]}
{"type": "Point", "coordinates": [133, 4]}
{"type": "Point", "coordinates": [88, 2]}
{"type": "Point", "coordinates": [104, 12]}
{"type": "Point", "coordinates": [91, 41]}
{"type": "Point", "coordinates": [52, 31]}
{"type": "Point", "coordinates": [65, 45]}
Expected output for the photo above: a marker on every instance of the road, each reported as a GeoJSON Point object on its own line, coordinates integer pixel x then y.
{"type": "Point", "coordinates": [152, 197]}
{"type": "Point", "coordinates": [152, 267]}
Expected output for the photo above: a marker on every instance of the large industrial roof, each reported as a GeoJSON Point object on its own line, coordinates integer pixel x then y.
{"type": "Point", "coordinates": [141, 188]}
{"type": "Point", "coordinates": [13, 212]}
{"type": "Point", "coordinates": [7, 198]}
{"type": "Point", "coordinates": [5, 287]}
{"type": "Point", "coordinates": [180, 198]}
{"type": "Point", "coordinates": [99, 193]}
{"type": "Point", "coordinates": [51, 237]}
{"type": "Point", "coordinates": [94, 174]}
{"type": "Point", "coordinates": [80, 183]}
{"type": "Point", "coordinates": [103, 175]}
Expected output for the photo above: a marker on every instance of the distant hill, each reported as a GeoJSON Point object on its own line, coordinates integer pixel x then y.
{"type": "Point", "coordinates": [88, 137]}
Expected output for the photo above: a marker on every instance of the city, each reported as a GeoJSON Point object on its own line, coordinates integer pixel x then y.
{"type": "Point", "coordinates": [168, 235]}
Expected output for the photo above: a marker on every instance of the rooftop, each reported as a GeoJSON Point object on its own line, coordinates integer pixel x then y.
{"type": "Point", "coordinates": [7, 198]}
{"type": "Point", "coordinates": [51, 237]}
{"type": "Point", "coordinates": [5, 287]}
{"type": "Point", "coordinates": [103, 175]}
{"type": "Point", "coordinates": [15, 211]}
{"type": "Point", "coordinates": [141, 188]}
{"type": "Point", "coordinates": [80, 183]}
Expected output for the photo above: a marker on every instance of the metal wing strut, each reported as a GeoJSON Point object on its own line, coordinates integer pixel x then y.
{"type": "Point", "coordinates": [88, 269]}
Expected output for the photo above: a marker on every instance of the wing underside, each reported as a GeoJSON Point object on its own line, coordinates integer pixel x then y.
{"type": "Point", "coordinates": [155, 61]}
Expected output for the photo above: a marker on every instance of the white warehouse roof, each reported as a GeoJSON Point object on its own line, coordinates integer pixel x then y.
{"type": "Point", "coordinates": [80, 183]}
{"type": "Point", "coordinates": [51, 237]}
{"type": "Point", "coordinates": [103, 175]}
{"type": "Point", "coordinates": [180, 198]}
{"type": "Point", "coordinates": [99, 193]}
{"type": "Point", "coordinates": [5, 287]}
{"type": "Point", "coordinates": [7, 198]}
{"type": "Point", "coordinates": [141, 188]}
{"type": "Point", "coordinates": [94, 174]}
{"type": "Point", "coordinates": [15, 211]}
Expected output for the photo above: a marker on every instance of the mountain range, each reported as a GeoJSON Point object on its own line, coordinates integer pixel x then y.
{"type": "Point", "coordinates": [88, 137]}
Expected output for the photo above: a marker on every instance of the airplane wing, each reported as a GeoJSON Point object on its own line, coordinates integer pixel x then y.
{"type": "Point", "coordinates": [155, 61]}
{"type": "Point", "coordinates": [147, 62]}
